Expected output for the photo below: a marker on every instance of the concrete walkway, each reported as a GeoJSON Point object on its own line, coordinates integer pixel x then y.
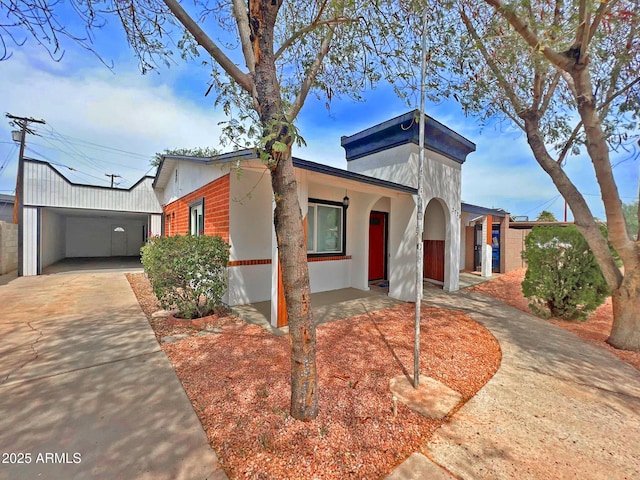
{"type": "Point", "coordinates": [85, 391]}
{"type": "Point", "coordinates": [558, 407]}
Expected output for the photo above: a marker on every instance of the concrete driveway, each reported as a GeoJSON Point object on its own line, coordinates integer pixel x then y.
{"type": "Point", "coordinates": [85, 390]}
{"type": "Point", "coordinates": [558, 407]}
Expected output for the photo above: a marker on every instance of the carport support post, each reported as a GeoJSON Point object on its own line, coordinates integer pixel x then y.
{"type": "Point", "coordinates": [420, 209]}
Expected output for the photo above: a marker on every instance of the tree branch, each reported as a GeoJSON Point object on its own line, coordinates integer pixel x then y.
{"type": "Point", "coordinates": [582, 33]}
{"type": "Point", "coordinates": [557, 59]}
{"type": "Point", "coordinates": [515, 101]}
{"type": "Point", "coordinates": [602, 10]}
{"type": "Point", "coordinates": [605, 105]}
{"type": "Point", "coordinates": [311, 76]}
{"type": "Point", "coordinates": [244, 80]}
{"type": "Point", "coordinates": [241, 15]}
{"type": "Point", "coordinates": [312, 26]}
{"type": "Point", "coordinates": [550, 92]}
{"type": "Point", "coordinates": [569, 143]}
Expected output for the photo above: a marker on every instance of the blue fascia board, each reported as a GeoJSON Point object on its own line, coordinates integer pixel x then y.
{"type": "Point", "coordinates": [405, 129]}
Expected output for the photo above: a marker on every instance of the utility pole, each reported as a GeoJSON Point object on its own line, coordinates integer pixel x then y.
{"type": "Point", "coordinates": [23, 124]}
{"type": "Point", "coordinates": [113, 176]}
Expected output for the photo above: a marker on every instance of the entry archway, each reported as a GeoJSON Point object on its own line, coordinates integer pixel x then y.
{"type": "Point", "coordinates": [435, 234]}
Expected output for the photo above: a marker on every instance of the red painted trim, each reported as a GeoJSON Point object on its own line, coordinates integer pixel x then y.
{"type": "Point", "coordinates": [241, 263]}
{"type": "Point", "coordinates": [327, 259]}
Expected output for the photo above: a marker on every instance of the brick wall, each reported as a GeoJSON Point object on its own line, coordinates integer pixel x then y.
{"type": "Point", "coordinates": [216, 210]}
{"type": "Point", "coordinates": [514, 246]}
{"type": "Point", "coordinates": [8, 247]}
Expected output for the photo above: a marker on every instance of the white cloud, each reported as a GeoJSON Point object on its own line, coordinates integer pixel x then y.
{"type": "Point", "coordinates": [126, 111]}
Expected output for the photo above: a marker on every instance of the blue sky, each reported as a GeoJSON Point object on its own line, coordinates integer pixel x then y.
{"type": "Point", "coordinates": [101, 122]}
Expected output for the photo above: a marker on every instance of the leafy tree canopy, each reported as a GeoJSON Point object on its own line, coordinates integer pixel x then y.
{"type": "Point", "coordinates": [201, 152]}
{"type": "Point", "coordinates": [546, 216]}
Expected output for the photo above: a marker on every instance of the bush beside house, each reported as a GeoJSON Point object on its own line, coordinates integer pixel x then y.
{"type": "Point", "coordinates": [563, 279]}
{"type": "Point", "coordinates": [187, 273]}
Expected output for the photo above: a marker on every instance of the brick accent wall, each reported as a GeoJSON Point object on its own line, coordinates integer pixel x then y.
{"type": "Point", "coordinates": [514, 245]}
{"type": "Point", "coordinates": [216, 210]}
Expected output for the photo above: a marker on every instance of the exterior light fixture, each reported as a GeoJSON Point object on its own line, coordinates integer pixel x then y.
{"type": "Point", "coordinates": [345, 202]}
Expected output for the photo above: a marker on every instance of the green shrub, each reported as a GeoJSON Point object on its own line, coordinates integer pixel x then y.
{"type": "Point", "coordinates": [187, 273]}
{"type": "Point", "coordinates": [563, 278]}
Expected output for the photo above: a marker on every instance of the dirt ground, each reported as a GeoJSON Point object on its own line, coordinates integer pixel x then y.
{"type": "Point", "coordinates": [596, 329]}
{"type": "Point", "coordinates": [238, 383]}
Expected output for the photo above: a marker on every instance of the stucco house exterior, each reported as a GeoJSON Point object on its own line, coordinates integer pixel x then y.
{"type": "Point", "coordinates": [360, 222]}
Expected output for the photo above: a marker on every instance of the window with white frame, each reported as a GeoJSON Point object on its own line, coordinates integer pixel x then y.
{"type": "Point", "coordinates": [325, 228]}
{"type": "Point", "coordinates": [196, 218]}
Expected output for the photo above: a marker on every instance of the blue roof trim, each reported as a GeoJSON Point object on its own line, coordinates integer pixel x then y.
{"type": "Point", "coordinates": [467, 207]}
{"type": "Point", "coordinates": [405, 129]}
{"type": "Point", "coordinates": [346, 174]}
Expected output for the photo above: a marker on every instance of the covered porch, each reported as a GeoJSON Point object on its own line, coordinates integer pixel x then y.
{"type": "Point", "coordinates": [334, 305]}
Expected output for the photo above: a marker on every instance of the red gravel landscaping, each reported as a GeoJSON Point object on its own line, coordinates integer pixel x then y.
{"type": "Point", "coordinates": [238, 383]}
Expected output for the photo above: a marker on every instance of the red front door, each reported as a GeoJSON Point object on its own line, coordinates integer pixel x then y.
{"type": "Point", "coordinates": [377, 238]}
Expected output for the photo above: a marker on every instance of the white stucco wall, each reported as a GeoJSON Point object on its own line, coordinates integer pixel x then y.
{"type": "Point", "coordinates": [434, 221]}
{"type": "Point", "coordinates": [249, 284]}
{"type": "Point", "coordinates": [250, 236]}
{"type": "Point", "coordinates": [402, 248]}
{"type": "Point", "coordinates": [191, 176]}
{"type": "Point", "coordinates": [397, 164]}
{"type": "Point", "coordinates": [52, 237]}
{"type": "Point", "coordinates": [442, 180]}
{"type": "Point", "coordinates": [250, 216]}
{"type": "Point", "coordinates": [329, 275]}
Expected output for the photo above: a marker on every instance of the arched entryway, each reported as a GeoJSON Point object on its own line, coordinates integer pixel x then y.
{"type": "Point", "coordinates": [435, 230]}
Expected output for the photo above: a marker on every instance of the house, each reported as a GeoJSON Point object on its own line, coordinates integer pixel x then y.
{"type": "Point", "coordinates": [60, 219]}
{"type": "Point", "coordinates": [6, 208]}
{"type": "Point", "coordinates": [485, 240]}
{"type": "Point", "coordinates": [360, 222]}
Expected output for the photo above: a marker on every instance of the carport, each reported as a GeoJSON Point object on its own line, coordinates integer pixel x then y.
{"type": "Point", "coordinates": [61, 220]}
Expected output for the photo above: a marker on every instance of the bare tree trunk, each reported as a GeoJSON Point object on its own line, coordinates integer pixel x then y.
{"type": "Point", "coordinates": [292, 249]}
{"type": "Point", "coordinates": [625, 333]}
{"type": "Point", "coordinates": [292, 253]}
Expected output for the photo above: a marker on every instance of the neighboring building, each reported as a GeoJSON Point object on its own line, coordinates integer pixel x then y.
{"type": "Point", "coordinates": [514, 241]}
{"type": "Point", "coordinates": [6, 208]}
{"type": "Point", "coordinates": [360, 222]}
{"type": "Point", "coordinates": [484, 240]}
{"type": "Point", "coordinates": [62, 219]}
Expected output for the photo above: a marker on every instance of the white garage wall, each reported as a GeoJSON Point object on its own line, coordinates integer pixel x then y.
{"type": "Point", "coordinates": [91, 237]}
{"type": "Point", "coordinates": [52, 237]}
